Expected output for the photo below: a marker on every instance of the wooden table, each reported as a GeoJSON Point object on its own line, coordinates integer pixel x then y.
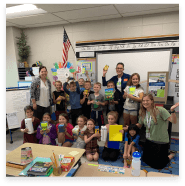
{"type": "Point", "coordinates": [86, 170]}
{"type": "Point", "coordinates": [40, 150]}
{"type": "Point", "coordinates": [158, 174]}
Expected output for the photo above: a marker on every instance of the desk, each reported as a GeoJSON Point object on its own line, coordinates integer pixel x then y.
{"type": "Point", "coordinates": [158, 174]}
{"type": "Point", "coordinates": [86, 170]}
{"type": "Point", "coordinates": [40, 150]}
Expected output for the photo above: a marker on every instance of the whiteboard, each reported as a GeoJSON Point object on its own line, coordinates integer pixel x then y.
{"type": "Point", "coordinates": [135, 61]}
{"type": "Point", "coordinates": [16, 100]}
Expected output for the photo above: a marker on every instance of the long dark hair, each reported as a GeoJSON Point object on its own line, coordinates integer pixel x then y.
{"type": "Point", "coordinates": [129, 83]}
{"type": "Point", "coordinates": [132, 127]}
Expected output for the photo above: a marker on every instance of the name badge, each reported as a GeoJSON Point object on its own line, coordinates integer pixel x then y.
{"type": "Point", "coordinates": [147, 135]}
{"type": "Point", "coordinates": [125, 79]}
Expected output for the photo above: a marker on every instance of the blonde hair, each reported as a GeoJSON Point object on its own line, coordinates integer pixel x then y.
{"type": "Point", "coordinates": [153, 111]}
{"type": "Point", "coordinates": [98, 83]}
{"type": "Point", "coordinates": [113, 113]}
{"type": "Point", "coordinates": [58, 81]}
{"type": "Point", "coordinates": [84, 118]}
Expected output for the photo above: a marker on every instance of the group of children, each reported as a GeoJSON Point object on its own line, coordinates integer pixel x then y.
{"type": "Point", "coordinates": [86, 109]}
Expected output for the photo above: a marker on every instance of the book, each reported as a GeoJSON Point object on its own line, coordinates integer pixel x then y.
{"type": "Point", "coordinates": [114, 134]}
{"type": "Point", "coordinates": [40, 169]}
{"type": "Point", "coordinates": [109, 94]}
{"type": "Point", "coordinates": [132, 90]}
{"type": "Point", "coordinates": [44, 125]}
{"type": "Point", "coordinates": [61, 128]}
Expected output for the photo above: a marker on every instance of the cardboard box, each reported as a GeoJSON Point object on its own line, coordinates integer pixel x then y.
{"type": "Point", "coordinates": [67, 163]}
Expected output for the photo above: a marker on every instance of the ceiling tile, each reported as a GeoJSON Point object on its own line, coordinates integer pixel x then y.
{"type": "Point", "coordinates": [95, 18]}
{"type": "Point", "coordinates": [65, 7]}
{"type": "Point", "coordinates": [41, 18]}
{"type": "Point", "coordinates": [12, 24]}
{"type": "Point", "coordinates": [124, 8]}
{"type": "Point", "coordinates": [89, 12]}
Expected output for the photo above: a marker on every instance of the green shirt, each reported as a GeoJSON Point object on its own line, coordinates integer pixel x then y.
{"type": "Point", "coordinates": [159, 130]}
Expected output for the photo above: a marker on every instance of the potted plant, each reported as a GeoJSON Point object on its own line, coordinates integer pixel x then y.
{"type": "Point", "coordinates": [23, 50]}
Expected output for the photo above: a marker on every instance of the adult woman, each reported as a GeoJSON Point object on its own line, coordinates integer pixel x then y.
{"type": "Point", "coordinates": [120, 81]}
{"type": "Point", "coordinates": [155, 152]}
{"type": "Point", "coordinates": [41, 94]}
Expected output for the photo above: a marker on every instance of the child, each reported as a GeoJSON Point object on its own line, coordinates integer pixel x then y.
{"type": "Point", "coordinates": [112, 105]}
{"type": "Point", "coordinates": [29, 138]}
{"type": "Point", "coordinates": [59, 99]}
{"type": "Point", "coordinates": [82, 121]}
{"type": "Point", "coordinates": [68, 106]}
{"type": "Point", "coordinates": [65, 138]}
{"type": "Point", "coordinates": [110, 153]}
{"type": "Point", "coordinates": [97, 101]}
{"type": "Point", "coordinates": [90, 138]}
{"type": "Point", "coordinates": [81, 82]}
{"type": "Point", "coordinates": [131, 143]}
{"type": "Point", "coordinates": [47, 137]}
{"type": "Point", "coordinates": [131, 103]}
{"type": "Point", "coordinates": [86, 109]}
{"type": "Point", "coordinates": [74, 95]}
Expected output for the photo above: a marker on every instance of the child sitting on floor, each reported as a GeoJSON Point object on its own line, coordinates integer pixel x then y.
{"type": "Point", "coordinates": [48, 136]}
{"type": "Point", "coordinates": [90, 138]}
{"type": "Point", "coordinates": [79, 130]}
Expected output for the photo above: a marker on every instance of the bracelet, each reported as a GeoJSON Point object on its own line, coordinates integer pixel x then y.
{"type": "Point", "coordinates": [172, 111]}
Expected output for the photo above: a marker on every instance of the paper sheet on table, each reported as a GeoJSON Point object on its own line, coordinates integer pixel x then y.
{"type": "Point", "coordinates": [114, 134]}
{"type": "Point", "coordinates": [73, 153]}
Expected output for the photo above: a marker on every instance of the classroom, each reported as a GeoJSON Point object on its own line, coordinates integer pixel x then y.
{"type": "Point", "coordinates": [92, 90]}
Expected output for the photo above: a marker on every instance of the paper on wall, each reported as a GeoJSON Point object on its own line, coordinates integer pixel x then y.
{"type": "Point", "coordinates": [12, 119]}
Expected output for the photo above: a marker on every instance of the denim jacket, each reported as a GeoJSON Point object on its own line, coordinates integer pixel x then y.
{"type": "Point", "coordinates": [35, 90]}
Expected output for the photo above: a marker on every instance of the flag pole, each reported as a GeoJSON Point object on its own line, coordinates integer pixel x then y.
{"type": "Point", "coordinates": [70, 42]}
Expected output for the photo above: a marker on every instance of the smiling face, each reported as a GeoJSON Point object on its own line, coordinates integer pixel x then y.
{"type": "Point", "coordinates": [80, 122]}
{"type": "Point", "coordinates": [135, 80]}
{"type": "Point", "coordinates": [81, 82]}
{"type": "Point", "coordinates": [111, 119]}
{"type": "Point", "coordinates": [43, 73]}
{"type": "Point", "coordinates": [46, 118]}
{"type": "Point", "coordinates": [119, 69]}
{"type": "Point", "coordinates": [96, 88]}
{"type": "Point", "coordinates": [87, 86]}
{"type": "Point", "coordinates": [90, 125]}
{"type": "Point", "coordinates": [58, 86]}
{"type": "Point", "coordinates": [72, 87]}
{"type": "Point", "coordinates": [29, 113]}
{"type": "Point", "coordinates": [132, 132]}
{"type": "Point", "coordinates": [62, 120]}
{"type": "Point", "coordinates": [147, 102]}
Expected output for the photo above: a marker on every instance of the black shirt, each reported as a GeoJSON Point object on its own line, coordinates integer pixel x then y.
{"type": "Point", "coordinates": [61, 106]}
{"type": "Point", "coordinates": [116, 98]}
{"type": "Point", "coordinates": [86, 109]}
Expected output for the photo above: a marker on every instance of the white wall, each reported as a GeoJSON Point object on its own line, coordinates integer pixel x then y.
{"type": "Point", "coordinates": [46, 42]}
{"type": "Point", "coordinates": [11, 58]}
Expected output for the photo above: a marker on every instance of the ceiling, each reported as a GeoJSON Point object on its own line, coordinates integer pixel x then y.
{"type": "Point", "coordinates": [58, 14]}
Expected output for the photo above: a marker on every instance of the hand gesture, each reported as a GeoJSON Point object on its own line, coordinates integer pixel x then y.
{"type": "Point", "coordinates": [111, 102]}
{"type": "Point", "coordinates": [104, 72]}
{"type": "Point", "coordinates": [75, 137]}
{"type": "Point", "coordinates": [125, 128]}
{"type": "Point", "coordinates": [41, 132]}
{"type": "Point", "coordinates": [129, 96]}
{"type": "Point", "coordinates": [47, 130]}
{"type": "Point", "coordinates": [125, 95]}
{"type": "Point", "coordinates": [174, 106]}
{"type": "Point", "coordinates": [129, 156]}
{"type": "Point", "coordinates": [26, 130]}
{"type": "Point", "coordinates": [59, 98]}
{"type": "Point", "coordinates": [35, 106]}
{"type": "Point", "coordinates": [97, 135]}
{"type": "Point", "coordinates": [125, 156]}
{"type": "Point", "coordinates": [122, 131]}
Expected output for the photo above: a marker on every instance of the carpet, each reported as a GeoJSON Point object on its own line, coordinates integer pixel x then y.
{"type": "Point", "coordinates": [171, 168]}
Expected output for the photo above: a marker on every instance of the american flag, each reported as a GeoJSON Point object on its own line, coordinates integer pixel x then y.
{"type": "Point", "coordinates": [66, 45]}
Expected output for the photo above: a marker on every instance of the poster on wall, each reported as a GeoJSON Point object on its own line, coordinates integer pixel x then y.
{"type": "Point", "coordinates": [157, 84]}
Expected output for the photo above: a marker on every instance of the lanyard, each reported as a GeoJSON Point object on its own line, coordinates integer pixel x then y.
{"type": "Point", "coordinates": [148, 120]}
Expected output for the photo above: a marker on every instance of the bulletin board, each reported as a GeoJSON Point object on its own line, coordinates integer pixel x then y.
{"type": "Point", "coordinates": [16, 100]}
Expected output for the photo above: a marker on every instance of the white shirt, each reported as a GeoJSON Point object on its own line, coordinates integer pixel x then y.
{"type": "Point", "coordinates": [119, 84]}
{"type": "Point", "coordinates": [81, 131]}
{"type": "Point", "coordinates": [44, 95]}
{"type": "Point", "coordinates": [129, 105]}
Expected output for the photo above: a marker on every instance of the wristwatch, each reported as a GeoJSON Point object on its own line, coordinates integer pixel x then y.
{"type": "Point", "coordinates": [172, 111]}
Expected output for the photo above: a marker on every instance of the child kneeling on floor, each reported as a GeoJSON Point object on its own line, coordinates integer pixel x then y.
{"type": "Point", "coordinates": [131, 143]}
{"type": "Point", "coordinates": [78, 132]}
{"type": "Point", "coordinates": [90, 138]}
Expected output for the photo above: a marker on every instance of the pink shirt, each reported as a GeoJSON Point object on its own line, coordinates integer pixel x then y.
{"type": "Point", "coordinates": [69, 130]}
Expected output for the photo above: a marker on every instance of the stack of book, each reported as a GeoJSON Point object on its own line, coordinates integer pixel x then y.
{"type": "Point", "coordinates": [40, 169]}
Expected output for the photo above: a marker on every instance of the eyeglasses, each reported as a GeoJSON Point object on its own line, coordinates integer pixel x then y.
{"type": "Point", "coordinates": [119, 68]}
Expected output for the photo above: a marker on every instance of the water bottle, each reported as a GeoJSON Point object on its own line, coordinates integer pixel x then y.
{"type": "Point", "coordinates": [102, 133]}
{"type": "Point", "coordinates": [136, 164]}
{"type": "Point", "coordinates": [105, 133]}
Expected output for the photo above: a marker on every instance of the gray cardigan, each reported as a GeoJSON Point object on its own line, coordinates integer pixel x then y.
{"type": "Point", "coordinates": [35, 90]}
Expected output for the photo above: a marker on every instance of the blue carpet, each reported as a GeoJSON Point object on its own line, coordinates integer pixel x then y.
{"type": "Point", "coordinates": [171, 168]}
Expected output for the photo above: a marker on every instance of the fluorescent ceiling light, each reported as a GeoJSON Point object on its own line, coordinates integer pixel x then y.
{"type": "Point", "coordinates": [23, 10]}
